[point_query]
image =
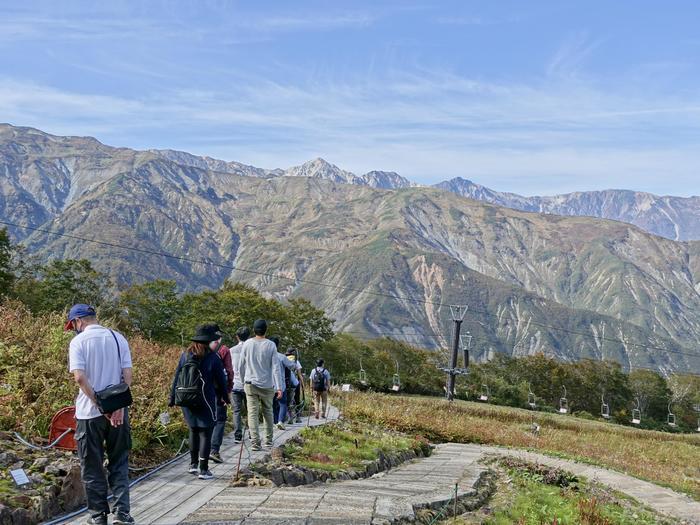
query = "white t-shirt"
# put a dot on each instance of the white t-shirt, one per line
(95, 351)
(236, 363)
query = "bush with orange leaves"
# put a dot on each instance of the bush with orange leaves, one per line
(35, 382)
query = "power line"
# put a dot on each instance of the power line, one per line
(328, 285)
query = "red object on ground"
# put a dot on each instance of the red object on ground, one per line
(63, 420)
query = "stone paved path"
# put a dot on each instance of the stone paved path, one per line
(172, 494)
(391, 496)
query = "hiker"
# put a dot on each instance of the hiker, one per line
(199, 383)
(293, 405)
(238, 394)
(221, 409)
(260, 370)
(276, 400)
(320, 380)
(279, 407)
(99, 358)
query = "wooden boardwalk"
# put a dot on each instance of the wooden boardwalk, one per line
(169, 496)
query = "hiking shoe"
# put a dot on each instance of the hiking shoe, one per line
(216, 457)
(193, 468)
(123, 519)
(99, 519)
(298, 420)
(255, 448)
(205, 474)
(268, 445)
(324, 416)
(237, 441)
(280, 426)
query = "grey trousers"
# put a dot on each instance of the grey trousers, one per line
(259, 400)
(95, 437)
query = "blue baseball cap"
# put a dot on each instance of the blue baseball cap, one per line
(76, 312)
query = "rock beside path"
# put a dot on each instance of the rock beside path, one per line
(55, 486)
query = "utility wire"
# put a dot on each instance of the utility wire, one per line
(333, 286)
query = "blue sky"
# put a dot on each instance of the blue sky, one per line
(534, 97)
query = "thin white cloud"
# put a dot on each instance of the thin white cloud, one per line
(572, 55)
(460, 20)
(427, 125)
(315, 21)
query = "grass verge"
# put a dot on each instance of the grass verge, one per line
(344, 445)
(532, 495)
(668, 459)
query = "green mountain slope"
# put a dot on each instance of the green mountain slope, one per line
(521, 273)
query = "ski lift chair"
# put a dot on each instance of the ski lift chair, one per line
(604, 408)
(671, 418)
(485, 394)
(563, 403)
(636, 414)
(531, 401)
(396, 380)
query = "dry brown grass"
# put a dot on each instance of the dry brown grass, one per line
(672, 460)
(35, 383)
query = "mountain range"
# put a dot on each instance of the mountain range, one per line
(381, 255)
(676, 218)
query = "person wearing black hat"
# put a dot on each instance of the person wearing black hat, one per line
(200, 382)
(224, 353)
(99, 358)
(260, 371)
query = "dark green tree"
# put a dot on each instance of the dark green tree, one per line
(232, 306)
(304, 327)
(7, 275)
(153, 308)
(652, 392)
(62, 283)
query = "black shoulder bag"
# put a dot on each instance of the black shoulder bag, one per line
(114, 397)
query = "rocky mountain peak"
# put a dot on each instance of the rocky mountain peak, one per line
(321, 169)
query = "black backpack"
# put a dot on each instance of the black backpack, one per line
(189, 389)
(287, 377)
(320, 380)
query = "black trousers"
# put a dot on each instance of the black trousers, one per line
(95, 437)
(200, 446)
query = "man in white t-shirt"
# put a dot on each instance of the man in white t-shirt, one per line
(99, 358)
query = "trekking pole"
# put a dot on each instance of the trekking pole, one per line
(455, 507)
(240, 454)
(308, 419)
(302, 398)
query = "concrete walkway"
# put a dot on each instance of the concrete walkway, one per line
(172, 494)
(380, 499)
(393, 496)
